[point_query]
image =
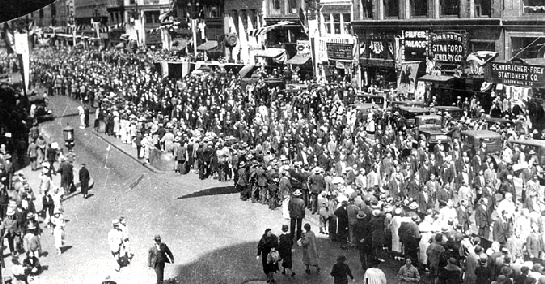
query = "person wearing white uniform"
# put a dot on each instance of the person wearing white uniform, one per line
(374, 276)
(58, 229)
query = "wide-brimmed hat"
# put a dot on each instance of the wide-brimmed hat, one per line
(361, 214)
(413, 206)
(375, 212)
(297, 192)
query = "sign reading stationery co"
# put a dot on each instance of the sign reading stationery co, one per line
(448, 47)
(339, 51)
(516, 74)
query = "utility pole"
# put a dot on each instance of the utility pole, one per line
(193, 7)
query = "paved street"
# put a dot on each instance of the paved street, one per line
(212, 234)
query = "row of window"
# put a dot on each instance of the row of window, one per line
(419, 8)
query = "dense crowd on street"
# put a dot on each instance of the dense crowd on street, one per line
(370, 180)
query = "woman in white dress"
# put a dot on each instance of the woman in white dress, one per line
(58, 230)
(394, 227)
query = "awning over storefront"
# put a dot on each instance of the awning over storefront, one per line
(435, 78)
(211, 44)
(270, 52)
(298, 60)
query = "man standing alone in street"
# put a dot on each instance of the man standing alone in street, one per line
(296, 207)
(158, 255)
(84, 180)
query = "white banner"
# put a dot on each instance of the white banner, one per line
(22, 47)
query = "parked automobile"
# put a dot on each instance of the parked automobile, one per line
(474, 140)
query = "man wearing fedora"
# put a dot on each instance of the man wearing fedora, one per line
(296, 208)
(158, 255)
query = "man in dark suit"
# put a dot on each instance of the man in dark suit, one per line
(158, 255)
(316, 184)
(483, 219)
(424, 202)
(84, 179)
(296, 209)
(502, 228)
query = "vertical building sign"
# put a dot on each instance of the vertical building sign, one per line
(415, 45)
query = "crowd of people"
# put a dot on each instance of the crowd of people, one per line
(454, 211)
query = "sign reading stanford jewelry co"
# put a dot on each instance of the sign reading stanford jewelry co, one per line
(448, 47)
(340, 51)
(516, 74)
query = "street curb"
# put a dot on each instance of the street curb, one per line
(146, 165)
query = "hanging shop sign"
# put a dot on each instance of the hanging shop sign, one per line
(337, 51)
(414, 45)
(516, 74)
(303, 47)
(448, 47)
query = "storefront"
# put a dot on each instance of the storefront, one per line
(378, 53)
(520, 82)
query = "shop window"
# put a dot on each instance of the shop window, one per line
(534, 6)
(528, 47)
(483, 8)
(419, 8)
(450, 7)
(391, 8)
(276, 4)
(381, 49)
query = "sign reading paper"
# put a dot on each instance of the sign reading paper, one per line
(339, 51)
(516, 74)
(448, 47)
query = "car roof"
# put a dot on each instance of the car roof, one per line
(428, 116)
(448, 108)
(531, 142)
(481, 133)
(414, 109)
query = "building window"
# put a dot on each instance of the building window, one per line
(276, 4)
(337, 24)
(419, 8)
(475, 46)
(483, 8)
(450, 7)
(152, 16)
(41, 13)
(53, 10)
(327, 23)
(292, 6)
(346, 23)
(367, 6)
(391, 8)
(235, 20)
(534, 6)
(528, 47)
